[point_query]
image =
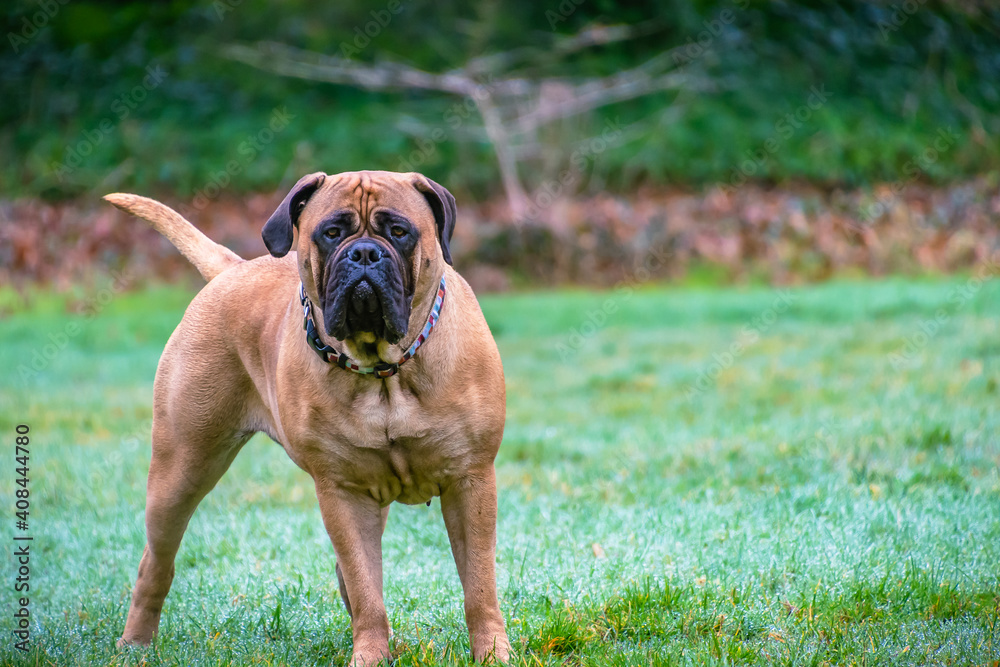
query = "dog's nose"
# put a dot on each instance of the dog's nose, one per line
(365, 253)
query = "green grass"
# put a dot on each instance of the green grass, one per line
(817, 501)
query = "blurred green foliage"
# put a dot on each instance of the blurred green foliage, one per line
(71, 77)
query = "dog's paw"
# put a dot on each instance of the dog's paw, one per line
(132, 643)
(369, 656)
(491, 649)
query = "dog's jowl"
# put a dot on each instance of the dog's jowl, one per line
(358, 348)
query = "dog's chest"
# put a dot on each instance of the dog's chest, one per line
(380, 421)
(388, 444)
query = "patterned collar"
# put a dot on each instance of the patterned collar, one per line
(381, 369)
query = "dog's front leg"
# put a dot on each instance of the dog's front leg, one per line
(354, 522)
(470, 514)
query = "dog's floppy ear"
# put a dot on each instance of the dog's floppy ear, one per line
(277, 232)
(443, 205)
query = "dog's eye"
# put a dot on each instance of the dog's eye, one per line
(332, 233)
(398, 232)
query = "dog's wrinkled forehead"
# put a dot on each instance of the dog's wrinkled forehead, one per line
(366, 192)
(316, 197)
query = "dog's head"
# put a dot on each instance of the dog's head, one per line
(367, 242)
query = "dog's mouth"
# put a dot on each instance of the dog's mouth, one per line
(364, 301)
(364, 309)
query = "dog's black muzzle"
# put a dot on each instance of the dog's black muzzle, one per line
(365, 293)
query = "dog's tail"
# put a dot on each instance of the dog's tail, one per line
(208, 257)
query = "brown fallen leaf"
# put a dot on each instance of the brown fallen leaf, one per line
(790, 608)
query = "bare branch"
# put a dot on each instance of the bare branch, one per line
(289, 61)
(510, 106)
(599, 93)
(583, 95)
(499, 136)
(595, 35)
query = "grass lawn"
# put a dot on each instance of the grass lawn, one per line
(711, 476)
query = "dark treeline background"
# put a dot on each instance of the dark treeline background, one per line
(712, 174)
(896, 73)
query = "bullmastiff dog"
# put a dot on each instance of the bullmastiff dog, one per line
(357, 347)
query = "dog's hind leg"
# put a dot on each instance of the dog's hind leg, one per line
(180, 475)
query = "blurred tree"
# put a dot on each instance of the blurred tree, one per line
(896, 73)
